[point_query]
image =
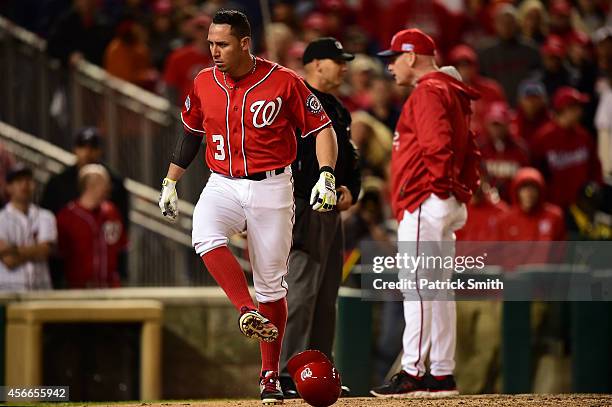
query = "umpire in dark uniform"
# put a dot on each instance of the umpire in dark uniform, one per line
(315, 261)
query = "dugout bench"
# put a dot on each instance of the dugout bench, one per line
(24, 322)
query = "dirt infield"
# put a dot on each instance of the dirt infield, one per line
(562, 400)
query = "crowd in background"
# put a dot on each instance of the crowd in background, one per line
(543, 70)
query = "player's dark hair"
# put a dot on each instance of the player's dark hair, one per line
(236, 19)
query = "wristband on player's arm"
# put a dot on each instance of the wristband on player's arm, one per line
(186, 149)
(326, 168)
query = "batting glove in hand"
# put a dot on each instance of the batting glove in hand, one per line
(168, 200)
(323, 196)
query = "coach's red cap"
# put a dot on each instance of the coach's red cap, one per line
(411, 40)
(566, 96)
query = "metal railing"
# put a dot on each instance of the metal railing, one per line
(50, 101)
(160, 253)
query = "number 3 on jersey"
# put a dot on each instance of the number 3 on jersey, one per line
(220, 144)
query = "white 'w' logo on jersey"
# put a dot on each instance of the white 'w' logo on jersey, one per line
(268, 112)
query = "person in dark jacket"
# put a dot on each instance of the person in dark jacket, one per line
(82, 32)
(315, 261)
(510, 59)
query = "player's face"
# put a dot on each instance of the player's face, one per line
(227, 50)
(333, 72)
(400, 67)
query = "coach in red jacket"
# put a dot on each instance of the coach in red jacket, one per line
(434, 169)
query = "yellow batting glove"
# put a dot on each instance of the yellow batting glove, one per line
(323, 196)
(168, 200)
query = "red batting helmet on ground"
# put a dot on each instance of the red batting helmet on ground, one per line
(315, 377)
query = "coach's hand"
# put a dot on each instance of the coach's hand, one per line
(323, 196)
(168, 200)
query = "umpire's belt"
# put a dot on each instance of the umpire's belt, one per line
(260, 176)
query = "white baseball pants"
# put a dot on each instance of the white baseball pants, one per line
(430, 324)
(265, 209)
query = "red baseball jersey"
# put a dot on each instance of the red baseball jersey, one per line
(568, 159)
(89, 243)
(250, 124)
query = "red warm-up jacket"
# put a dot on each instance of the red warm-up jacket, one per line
(543, 222)
(568, 159)
(534, 231)
(434, 150)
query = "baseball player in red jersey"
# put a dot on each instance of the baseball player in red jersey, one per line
(434, 169)
(248, 109)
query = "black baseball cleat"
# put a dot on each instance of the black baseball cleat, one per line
(402, 385)
(288, 387)
(270, 389)
(441, 386)
(254, 325)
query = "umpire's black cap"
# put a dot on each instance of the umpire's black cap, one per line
(88, 136)
(18, 171)
(326, 48)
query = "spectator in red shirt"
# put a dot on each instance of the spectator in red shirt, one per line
(184, 63)
(532, 110)
(565, 151)
(530, 219)
(465, 59)
(502, 153)
(91, 234)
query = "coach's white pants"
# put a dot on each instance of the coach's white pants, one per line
(265, 209)
(430, 324)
